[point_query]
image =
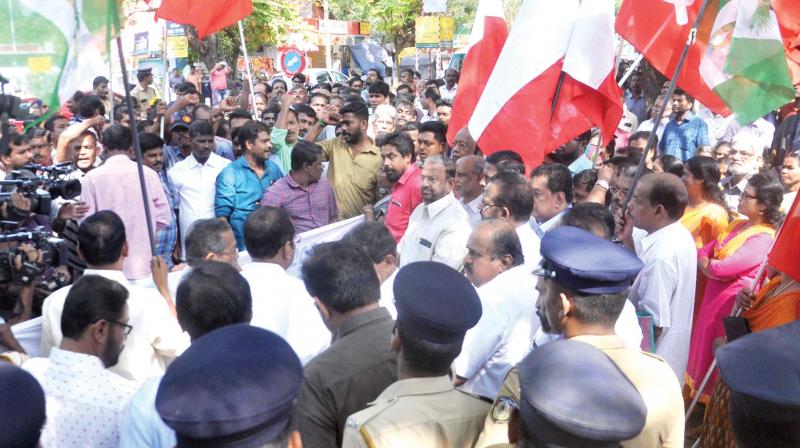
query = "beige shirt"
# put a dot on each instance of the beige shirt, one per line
(651, 376)
(354, 178)
(417, 412)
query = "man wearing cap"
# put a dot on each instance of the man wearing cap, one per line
(562, 406)
(582, 290)
(234, 387)
(495, 265)
(435, 308)
(144, 93)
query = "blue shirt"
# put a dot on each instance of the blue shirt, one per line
(167, 236)
(682, 139)
(142, 426)
(239, 191)
(637, 106)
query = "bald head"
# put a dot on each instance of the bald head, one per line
(492, 248)
(464, 144)
(658, 201)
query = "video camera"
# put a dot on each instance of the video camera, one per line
(29, 270)
(40, 184)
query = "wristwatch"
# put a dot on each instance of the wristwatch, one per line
(602, 184)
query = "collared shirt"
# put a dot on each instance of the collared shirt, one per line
(437, 232)
(473, 209)
(142, 426)
(448, 94)
(541, 227)
(354, 178)
(426, 117)
(239, 191)
(419, 412)
(195, 186)
(115, 186)
(173, 155)
(649, 124)
(636, 105)
(665, 288)
(309, 207)
(282, 305)
(85, 401)
(167, 236)
(732, 192)
(682, 139)
(156, 337)
(343, 379)
(406, 195)
(280, 148)
(531, 243)
(501, 337)
(387, 294)
(144, 98)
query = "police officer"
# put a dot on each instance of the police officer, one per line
(762, 371)
(574, 396)
(582, 289)
(144, 93)
(435, 308)
(233, 387)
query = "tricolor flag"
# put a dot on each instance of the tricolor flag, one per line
(489, 32)
(744, 62)
(206, 16)
(785, 254)
(66, 44)
(549, 38)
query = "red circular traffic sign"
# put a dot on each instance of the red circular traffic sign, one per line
(293, 61)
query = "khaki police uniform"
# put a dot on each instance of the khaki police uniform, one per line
(418, 412)
(652, 377)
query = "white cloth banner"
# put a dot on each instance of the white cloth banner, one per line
(305, 241)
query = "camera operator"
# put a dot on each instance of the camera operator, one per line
(16, 155)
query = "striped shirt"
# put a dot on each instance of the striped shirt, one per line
(309, 207)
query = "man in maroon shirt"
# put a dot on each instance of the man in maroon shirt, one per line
(398, 164)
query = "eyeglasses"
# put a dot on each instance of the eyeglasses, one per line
(125, 327)
(484, 206)
(746, 196)
(232, 253)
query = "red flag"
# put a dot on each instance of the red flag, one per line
(785, 254)
(489, 32)
(789, 21)
(207, 16)
(515, 110)
(652, 28)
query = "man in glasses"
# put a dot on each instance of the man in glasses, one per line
(85, 401)
(156, 337)
(746, 160)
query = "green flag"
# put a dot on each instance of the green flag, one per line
(56, 47)
(744, 62)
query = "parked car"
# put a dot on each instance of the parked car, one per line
(314, 76)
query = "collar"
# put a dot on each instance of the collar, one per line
(687, 117)
(439, 205)
(663, 232)
(360, 320)
(547, 225)
(69, 358)
(415, 386)
(455, 86)
(212, 161)
(117, 276)
(503, 278)
(118, 158)
(242, 161)
(265, 267)
(473, 204)
(412, 169)
(604, 342)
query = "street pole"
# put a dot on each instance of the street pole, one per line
(247, 69)
(328, 57)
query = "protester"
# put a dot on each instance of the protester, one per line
(790, 178)
(429, 98)
(377, 241)
(304, 193)
(706, 215)
(730, 263)
(422, 408)
(438, 228)
(745, 161)
(153, 157)
(406, 112)
(469, 176)
(443, 111)
(432, 140)
(665, 286)
(464, 145)
(505, 160)
(552, 194)
(357, 366)
(241, 184)
(194, 179)
(684, 133)
(635, 100)
(397, 151)
(280, 302)
(285, 133)
(495, 265)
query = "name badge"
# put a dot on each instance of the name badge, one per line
(425, 243)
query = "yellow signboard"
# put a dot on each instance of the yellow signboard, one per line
(40, 64)
(178, 46)
(365, 28)
(427, 31)
(447, 28)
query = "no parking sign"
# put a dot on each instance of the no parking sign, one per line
(293, 61)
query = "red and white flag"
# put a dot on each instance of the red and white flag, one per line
(489, 32)
(207, 16)
(514, 111)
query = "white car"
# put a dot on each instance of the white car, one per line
(314, 76)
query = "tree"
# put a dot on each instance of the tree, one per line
(268, 25)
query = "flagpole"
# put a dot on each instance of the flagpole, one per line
(630, 69)
(136, 147)
(558, 92)
(247, 69)
(667, 98)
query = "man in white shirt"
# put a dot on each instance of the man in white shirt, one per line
(439, 227)
(194, 178)
(509, 196)
(281, 303)
(469, 173)
(552, 194)
(213, 296)
(665, 286)
(448, 90)
(379, 244)
(156, 338)
(85, 401)
(745, 161)
(494, 264)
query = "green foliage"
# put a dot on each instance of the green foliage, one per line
(392, 20)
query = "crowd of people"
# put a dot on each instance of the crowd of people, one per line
(477, 302)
